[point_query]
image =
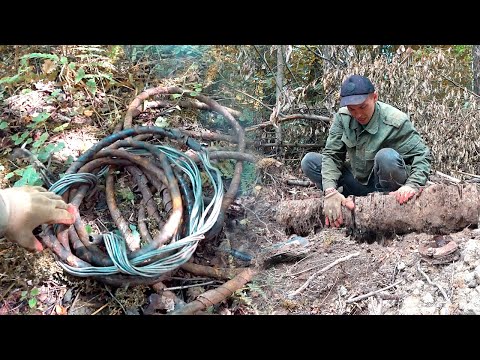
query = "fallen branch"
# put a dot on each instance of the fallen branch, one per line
(361, 297)
(448, 177)
(289, 118)
(183, 104)
(215, 296)
(310, 279)
(305, 183)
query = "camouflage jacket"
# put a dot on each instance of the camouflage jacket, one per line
(388, 128)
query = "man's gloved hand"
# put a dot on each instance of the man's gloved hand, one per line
(404, 194)
(24, 208)
(332, 207)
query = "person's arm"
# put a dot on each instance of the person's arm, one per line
(24, 208)
(333, 155)
(416, 154)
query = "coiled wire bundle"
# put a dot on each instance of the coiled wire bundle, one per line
(169, 172)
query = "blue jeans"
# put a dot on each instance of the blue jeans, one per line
(389, 173)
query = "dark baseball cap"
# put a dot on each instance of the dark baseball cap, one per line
(355, 90)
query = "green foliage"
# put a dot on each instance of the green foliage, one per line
(126, 194)
(31, 297)
(249, 174)
(25, 68)
(88, 229)
(86, 69)
(169, 60)
(135, 233)
(142, 52)
(28, 176)
(248, 178)
(197, 89)
(463, 52)
(247, 117)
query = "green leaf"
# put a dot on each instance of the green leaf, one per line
(24, 294)
(45, 152)
(40, 140)
(162, 122)
(32, 303)
(3, 125)
(88, 229)
(176, 96)
(80, 75)
(55, 92)
(92, 86)
(20, 139)
(61, 127)
(34, 292)
(29, 177)
(41, 117)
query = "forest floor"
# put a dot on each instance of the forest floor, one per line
(330, 274)
(334, 275)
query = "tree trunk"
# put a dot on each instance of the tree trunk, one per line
(476, 68)
(279, 97)
(438, 209)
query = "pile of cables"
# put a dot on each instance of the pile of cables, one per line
(120, 256)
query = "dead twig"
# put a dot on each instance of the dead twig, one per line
(460, 86)
(310, 279)
(74, 302)
(101, 308)
(118, 302)
(6, 291)
(290, 117)
(361, 297)
(258, 218)
(190, 286)
(465, 173)
(419, 268)
(448, 177)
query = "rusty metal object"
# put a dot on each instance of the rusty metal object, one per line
(438, 249)
(73, 245)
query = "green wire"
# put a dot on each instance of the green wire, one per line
(180, 251)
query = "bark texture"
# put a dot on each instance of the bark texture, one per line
(437, 209)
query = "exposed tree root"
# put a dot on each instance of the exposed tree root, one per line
(437, 209)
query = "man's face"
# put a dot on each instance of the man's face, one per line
(363, 112)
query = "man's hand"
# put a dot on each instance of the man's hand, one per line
(404, 194)
(24, 208)
(332, 207)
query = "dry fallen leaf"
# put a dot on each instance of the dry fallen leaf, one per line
(88, 113)
(60, 310)
(48, 66)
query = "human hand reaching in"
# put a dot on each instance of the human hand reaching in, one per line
(404, 193)
(24, 208)
(332, 207)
